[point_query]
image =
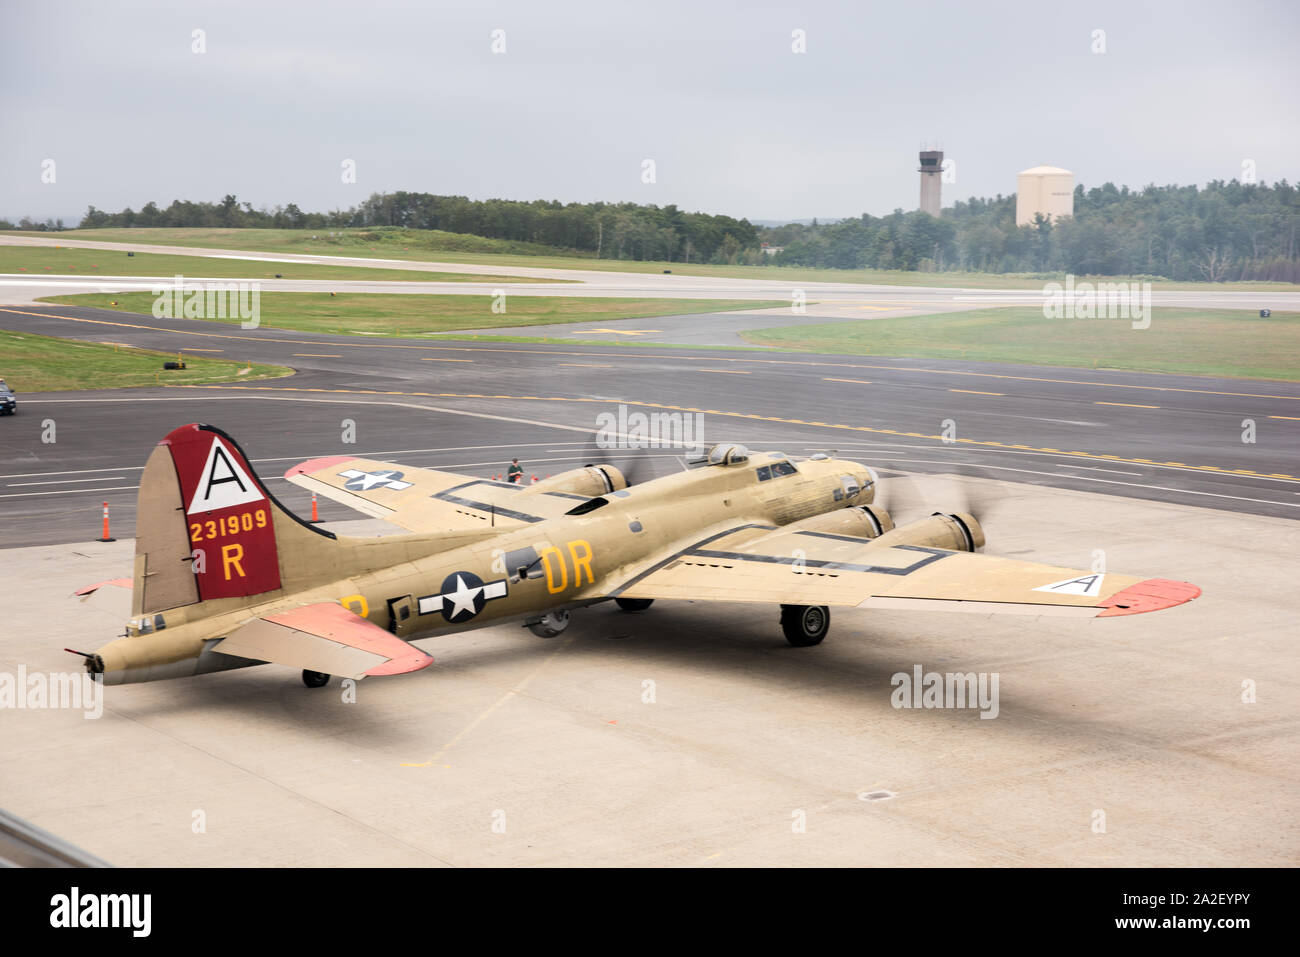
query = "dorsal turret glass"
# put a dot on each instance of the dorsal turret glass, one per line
(728, 453)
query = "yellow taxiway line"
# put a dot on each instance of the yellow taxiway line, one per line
(748, 415)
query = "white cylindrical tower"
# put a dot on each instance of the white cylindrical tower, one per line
(1044, 189)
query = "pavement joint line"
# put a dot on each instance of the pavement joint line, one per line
(973, 392)
(515, 691)
(1128, 405)
(655, 355)
(741, 415)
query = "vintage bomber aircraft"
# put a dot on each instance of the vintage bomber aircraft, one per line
(226, 577)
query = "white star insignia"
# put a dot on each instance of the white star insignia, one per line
(462, 599)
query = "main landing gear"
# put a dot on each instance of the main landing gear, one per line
(550, 624)
(315, 679)
(805, 625)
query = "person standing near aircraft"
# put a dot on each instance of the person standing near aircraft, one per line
(516, 471)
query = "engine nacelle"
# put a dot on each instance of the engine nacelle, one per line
(858, 521)
(590, 481)
(957, 532)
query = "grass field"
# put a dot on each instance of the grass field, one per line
(41, 364)
(66, 261)
(409, 315)
(438, 246)
(1225, 342)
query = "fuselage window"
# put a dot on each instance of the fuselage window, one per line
(782, 468)
(765, 473)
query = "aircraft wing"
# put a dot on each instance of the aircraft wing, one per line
(425, 500)
(761, 564)
(324, 637)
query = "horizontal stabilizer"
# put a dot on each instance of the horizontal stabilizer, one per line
(324, 637)
(88, 590)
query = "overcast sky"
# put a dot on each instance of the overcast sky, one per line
(734, 120)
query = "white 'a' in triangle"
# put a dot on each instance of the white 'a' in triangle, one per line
(223, 482)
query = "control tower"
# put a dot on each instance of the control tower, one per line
(931, 171)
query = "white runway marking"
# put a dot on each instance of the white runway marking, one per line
(106, 478)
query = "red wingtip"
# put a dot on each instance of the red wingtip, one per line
(407, 663)
(1150, 595)
(315, 465)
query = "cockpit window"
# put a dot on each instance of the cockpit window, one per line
(775, 470)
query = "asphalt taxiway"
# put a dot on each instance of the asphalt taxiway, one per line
(474, 406)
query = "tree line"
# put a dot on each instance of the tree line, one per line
(1224, 231)
(603, 230)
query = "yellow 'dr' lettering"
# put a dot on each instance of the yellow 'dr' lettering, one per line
(362, 609)
(231, 555)
(581, 562)
(550, 567)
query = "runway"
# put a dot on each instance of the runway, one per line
(829, 300)
(474, 406)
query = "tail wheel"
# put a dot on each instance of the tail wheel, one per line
(315, 679)
(634, 604)
(805, 625)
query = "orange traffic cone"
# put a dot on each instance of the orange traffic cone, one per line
(106, 537)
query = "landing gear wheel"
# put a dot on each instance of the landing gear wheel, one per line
(315, 679)
(550, 624)
(805, 625)
(634, 604)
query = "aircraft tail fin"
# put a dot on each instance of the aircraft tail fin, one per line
(207, 528)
